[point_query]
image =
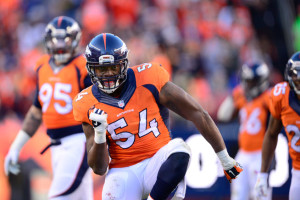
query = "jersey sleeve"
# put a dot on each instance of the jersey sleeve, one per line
(41, 61)
(152, 73)
(276, 97)
(163, 76)
(238, 97)
(45, 58)
(267, 99)
(36, 101)
(80, 110)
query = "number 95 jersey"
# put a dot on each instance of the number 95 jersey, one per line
(137, 122)
(285, 107)
(55, 92)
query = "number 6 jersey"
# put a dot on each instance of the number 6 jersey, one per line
(137, 122)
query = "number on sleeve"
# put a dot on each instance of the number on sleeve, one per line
(144, 66)
(279, 89)
(80, 95)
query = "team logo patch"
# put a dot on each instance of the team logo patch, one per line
(121, 104)
(88, 51)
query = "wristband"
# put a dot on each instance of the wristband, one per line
(20, 140)
(262, 176)
(226, 160)
(100, 138)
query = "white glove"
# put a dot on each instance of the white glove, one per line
(99, 120)
(11, 162)
(231, 168)
(12, 157)
(261, 185)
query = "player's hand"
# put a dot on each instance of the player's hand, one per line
(99, 121)
(11, 162)
(231, 168)
(261, 185)
(233, 172)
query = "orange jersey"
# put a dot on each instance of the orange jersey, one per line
(55, 92)
(137, 122)
(239, 98)
(253, 117)
(285, 106)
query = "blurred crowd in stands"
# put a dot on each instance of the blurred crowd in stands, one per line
(202, 43)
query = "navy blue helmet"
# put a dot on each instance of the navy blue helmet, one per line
(292, 72)
(107, 50)
(255, 79)
(62, 36)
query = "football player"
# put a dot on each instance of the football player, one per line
(61, 75)
(125, 119)
(249, 101)
(285, 111)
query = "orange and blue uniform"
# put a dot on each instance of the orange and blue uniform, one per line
(138, 124)
(253, 117)
(56, 88)
(285, 107)
(55, 92)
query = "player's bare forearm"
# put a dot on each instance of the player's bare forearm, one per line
(268, 150)
(209, 130)
(98, 158)
(177, 100)
(32, 120)
(270, 142)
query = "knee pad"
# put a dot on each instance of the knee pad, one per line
(174, 168)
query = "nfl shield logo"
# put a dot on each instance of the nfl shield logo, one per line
(121, 104)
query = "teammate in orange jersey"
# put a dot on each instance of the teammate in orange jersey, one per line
(250, 101)
(61, 74)
(285, 112)
(125, 119)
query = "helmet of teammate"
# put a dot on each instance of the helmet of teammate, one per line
(107, 51)
(255, 79)
(62, 36)
(292, 72)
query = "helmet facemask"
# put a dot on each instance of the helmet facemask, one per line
(255, 80)
(107, 62)
(106, 81)
(254, 87)
(293, 75)
(61, 41)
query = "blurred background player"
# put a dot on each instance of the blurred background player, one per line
(61, 74)
(285, 111)
(127, 108)
(249, 101)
